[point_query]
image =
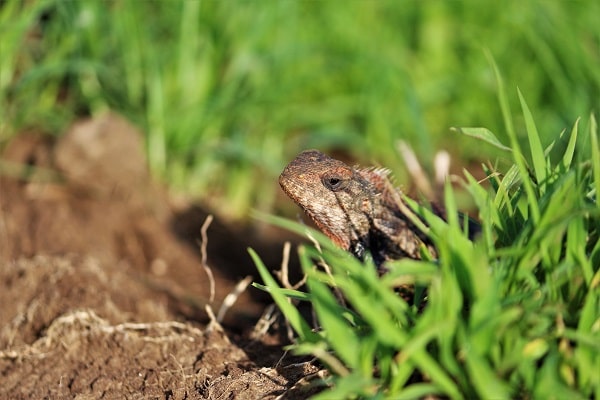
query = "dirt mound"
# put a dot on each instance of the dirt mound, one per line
(101, 282)
(74, 331)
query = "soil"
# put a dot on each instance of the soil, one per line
(103, 288)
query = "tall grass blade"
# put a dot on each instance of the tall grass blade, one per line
(341, 337)
(514, 144)
(570, 150)
(535, 145)
(595, 156)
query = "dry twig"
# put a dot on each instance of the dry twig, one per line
(232, 297)
(203, 253)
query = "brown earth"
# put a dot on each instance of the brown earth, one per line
(102, 288)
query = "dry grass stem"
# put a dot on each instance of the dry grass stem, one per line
(283, 274)
(262, 326)
(232, 297)
(203, 253)
(213, 325)
(441, 165)
(414, 168)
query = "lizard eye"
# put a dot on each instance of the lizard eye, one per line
(333, 182)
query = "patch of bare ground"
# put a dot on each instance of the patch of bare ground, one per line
(102, 284)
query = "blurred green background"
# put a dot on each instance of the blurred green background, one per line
(228, 92)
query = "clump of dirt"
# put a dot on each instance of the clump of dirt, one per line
(101, 282)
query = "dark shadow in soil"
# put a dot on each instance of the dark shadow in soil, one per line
(228, 246)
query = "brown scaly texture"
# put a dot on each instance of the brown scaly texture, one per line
(359, 209)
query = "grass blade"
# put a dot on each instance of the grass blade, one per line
(291, 313)
(595, 155)
(570, 150)
(482, 134)
(514, 144)
(535, 145)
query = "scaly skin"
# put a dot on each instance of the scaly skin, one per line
(358, 209)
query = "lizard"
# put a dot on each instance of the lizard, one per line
(359, 209)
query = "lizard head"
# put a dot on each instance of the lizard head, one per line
(334, 195)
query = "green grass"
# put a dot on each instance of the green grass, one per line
(228, 91)
(515, 314)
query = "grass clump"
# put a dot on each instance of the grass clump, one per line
(514, 314)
